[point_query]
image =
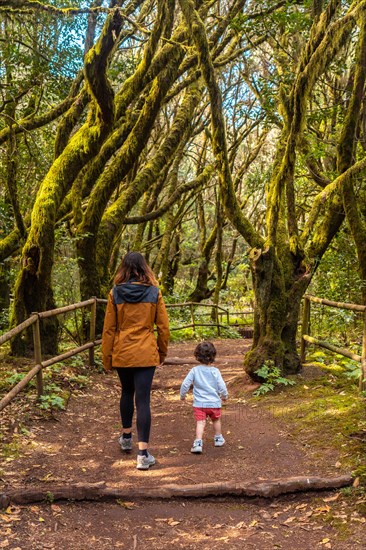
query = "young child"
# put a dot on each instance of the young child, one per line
(208, 388)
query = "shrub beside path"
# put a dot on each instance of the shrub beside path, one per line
(80, 446)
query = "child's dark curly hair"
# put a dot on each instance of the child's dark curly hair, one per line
(205, 353)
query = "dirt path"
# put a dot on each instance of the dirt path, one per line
(80, 445)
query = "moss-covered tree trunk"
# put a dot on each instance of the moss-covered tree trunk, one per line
(33, 291)
(283, 262)
(173, 264)
(277, 303)
(229, 264)
(218, 257)
(108, 225)
(353, 205)
(207, 245)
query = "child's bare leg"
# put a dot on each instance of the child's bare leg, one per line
(217, 426)
(200, 428)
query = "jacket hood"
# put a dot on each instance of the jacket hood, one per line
(134, 293)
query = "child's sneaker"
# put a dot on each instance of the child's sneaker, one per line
(126, 443)
(219, 440)
(144, 462)
(197, 446)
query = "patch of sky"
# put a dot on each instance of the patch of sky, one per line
(71, 31)
(239, 98)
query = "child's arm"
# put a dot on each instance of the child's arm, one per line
(221, 387)
(186, 384)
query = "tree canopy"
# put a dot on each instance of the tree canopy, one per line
(206, 134)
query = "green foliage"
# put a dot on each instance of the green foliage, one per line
(50, 497)
(352, 369)
(79, 380)
(182, 317)
(203, 333)
(337, 279)
(76, 361)
(14, 379)
(346, 491)
(51, 401)
(360, 472)
(65, 274)
(272, 378)
(336, 364)
(318, 356)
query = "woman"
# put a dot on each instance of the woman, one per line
(135, 305)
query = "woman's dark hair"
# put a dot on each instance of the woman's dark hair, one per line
(205, 353)
(134, 266)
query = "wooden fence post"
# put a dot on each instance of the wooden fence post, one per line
(362, 383)
(92, 327)
(38, 353)
(304, 328)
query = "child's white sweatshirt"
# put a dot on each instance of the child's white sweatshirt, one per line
(208, 386)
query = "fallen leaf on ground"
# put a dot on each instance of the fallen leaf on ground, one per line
(9, 518)
(55, 508)
(172, 522)
(331, 499)
(48, 477)
(326, 543)
(253, 523)
(323, 509)
(127, 505)
(289, 520)
(240, 525)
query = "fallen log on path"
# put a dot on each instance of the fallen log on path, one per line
(102, 491)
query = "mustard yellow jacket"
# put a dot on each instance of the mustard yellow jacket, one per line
(128, 339)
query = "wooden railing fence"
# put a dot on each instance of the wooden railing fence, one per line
(34, 322)
(220, 312)
(307, 339)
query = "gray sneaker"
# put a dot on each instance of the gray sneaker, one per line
(126, 443)
(144, 462)
(219, 440)
(197, 446)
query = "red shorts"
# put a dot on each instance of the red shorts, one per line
(201, 413)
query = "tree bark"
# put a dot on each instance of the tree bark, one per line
(100, 491)
(113, 217)
(201, 290)
(280, 269)
(33, 291)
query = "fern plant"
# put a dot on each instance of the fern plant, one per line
(272, 377)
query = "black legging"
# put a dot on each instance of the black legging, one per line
(136, 382)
